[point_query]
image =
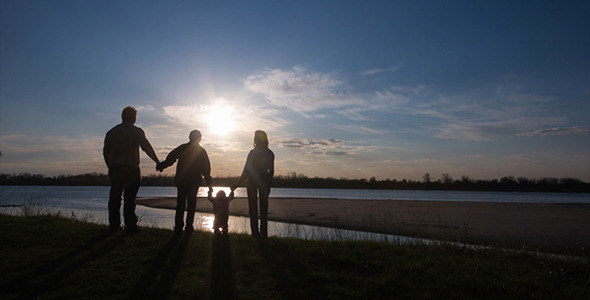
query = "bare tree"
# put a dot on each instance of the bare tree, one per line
(446, 178)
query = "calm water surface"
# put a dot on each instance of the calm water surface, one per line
(90, 204)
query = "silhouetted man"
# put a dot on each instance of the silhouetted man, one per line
(193, 165)
(121, 154)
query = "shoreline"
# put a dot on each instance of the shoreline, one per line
(537, 225)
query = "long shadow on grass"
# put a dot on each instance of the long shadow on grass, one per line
(222, 274)
(293, 280)
(48, 276)
(170, 273)
(150, 277)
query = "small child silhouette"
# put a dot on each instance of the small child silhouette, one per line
(220, 210)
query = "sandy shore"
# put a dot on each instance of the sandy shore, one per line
(555, 226)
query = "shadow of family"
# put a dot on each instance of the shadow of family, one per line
(158, 279)
(198, 264)
(47, 277)
(163, 271)
(193, 168)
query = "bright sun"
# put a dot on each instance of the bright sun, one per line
(220, 119)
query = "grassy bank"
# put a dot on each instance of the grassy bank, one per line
(50, 257)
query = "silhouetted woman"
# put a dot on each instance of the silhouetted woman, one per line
(259, 171)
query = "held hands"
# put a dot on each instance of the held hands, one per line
(160, 167)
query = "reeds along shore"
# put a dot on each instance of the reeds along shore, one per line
(550, 227)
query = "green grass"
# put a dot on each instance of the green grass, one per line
(48, 257)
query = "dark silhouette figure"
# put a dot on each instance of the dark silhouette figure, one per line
(121, 155)
(193, 165)
(259, 172)
(220, 210)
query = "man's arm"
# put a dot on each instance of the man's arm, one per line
(147, 147)
(151, 153)
(170, 159)
(106, 150)
(206, 170)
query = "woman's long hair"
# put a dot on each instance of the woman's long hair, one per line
(260, 139)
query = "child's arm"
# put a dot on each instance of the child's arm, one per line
(210, 195)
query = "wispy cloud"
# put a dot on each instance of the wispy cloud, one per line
(145, 107)
(374, 71)
(574, 130)
(476, 118)
(57, 154)
(27, 144)
(299, 90)
(360, 129)
(330, 147)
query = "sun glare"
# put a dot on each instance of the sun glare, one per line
(220, 119)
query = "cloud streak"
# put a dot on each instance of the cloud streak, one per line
(475, 118)
(299, 90)
(328, 147)
(573, 130)
(374, 71)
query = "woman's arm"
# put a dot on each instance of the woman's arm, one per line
(245, 172)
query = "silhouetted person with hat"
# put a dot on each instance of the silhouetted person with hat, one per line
(121, 155)
(193, 165)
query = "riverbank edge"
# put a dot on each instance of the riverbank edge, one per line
(547, 227)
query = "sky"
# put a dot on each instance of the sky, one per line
(344, 89)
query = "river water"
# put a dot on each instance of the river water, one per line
(90, 204)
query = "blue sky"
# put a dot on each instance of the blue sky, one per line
(355, 89)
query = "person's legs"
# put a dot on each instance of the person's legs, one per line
(217, 223)
(180, 207)
(253, 208)
(191, 206)
(264, 192)
(132, 183)
(224, 221)
(115, 193)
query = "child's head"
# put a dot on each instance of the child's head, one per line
(220, 194)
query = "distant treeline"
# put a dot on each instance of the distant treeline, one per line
(294, 180)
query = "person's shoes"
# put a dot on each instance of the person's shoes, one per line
(132, 230)
(114, 228)
(189, 230)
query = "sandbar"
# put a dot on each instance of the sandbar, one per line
(557, 226)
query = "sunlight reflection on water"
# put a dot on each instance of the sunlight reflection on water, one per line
(164, 218)
(205, 223)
